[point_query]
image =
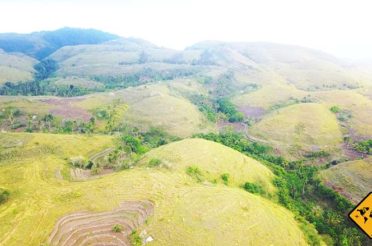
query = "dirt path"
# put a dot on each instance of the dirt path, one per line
(89, 228)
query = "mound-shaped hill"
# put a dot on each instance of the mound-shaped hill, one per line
(184, 210)
(299, 129)
(117, 58)
(213, 160)
(358, 106)
(352, 179)
(154, 105)
(15, 67)
(42, 44)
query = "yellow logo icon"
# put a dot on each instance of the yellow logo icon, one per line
(362, 215)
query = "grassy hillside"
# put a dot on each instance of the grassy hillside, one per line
(213, 160)
(154, 105)
(352, 179)
(15, 67)
(299, 129)
(185, 212)
(358, 106)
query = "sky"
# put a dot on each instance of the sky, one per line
(340, 27)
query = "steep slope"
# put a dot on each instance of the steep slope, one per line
(352, 179)
(15, 67)
(185, 211)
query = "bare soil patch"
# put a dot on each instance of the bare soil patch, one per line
(252, 112)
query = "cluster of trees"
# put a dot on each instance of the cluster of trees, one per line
(39, 86)
(14, 118)
(229, 109)
(301, 191)
(133, 143)
(213, 109)
(205, 105)
(144, 76)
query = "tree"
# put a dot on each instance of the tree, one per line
(45, 68)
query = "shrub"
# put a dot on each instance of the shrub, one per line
(135, 239)
(253, 188)
(225, 178)
(4, 195)
(117, 228)
(364, 146)
(335, 109)
(195, 173)
(154, 162)
(78, 161)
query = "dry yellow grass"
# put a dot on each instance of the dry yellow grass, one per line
(352, 179)
(300, 128)
(269, 95)
(154, 105)
(186, 212)
(213, 160)
(15, 67)
(359, 105)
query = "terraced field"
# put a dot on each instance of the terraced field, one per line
(87, 228)
(185, 210)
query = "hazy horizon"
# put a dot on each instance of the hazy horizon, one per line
(337, 27)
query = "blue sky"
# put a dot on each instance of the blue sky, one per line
(340, 27)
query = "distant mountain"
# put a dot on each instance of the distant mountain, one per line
(41, 44)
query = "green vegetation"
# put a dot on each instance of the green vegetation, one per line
(154, 162)
(253, 188)
(45, 69)
(364, 146)
(225, 178)
(335, 109)
(117, 228)
(229, 109)
(195, 172)
(206, 106)
(317, 154)
(4, 195)
(135, 239)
